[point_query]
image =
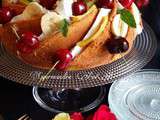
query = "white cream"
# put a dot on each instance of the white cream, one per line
(33, 9)
(64, 8)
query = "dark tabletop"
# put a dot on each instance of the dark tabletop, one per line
(16, 99)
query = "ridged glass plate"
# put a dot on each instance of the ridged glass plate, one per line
(137, 96)
(142, 52)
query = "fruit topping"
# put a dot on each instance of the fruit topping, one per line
(33, 9)
(126, 3)
(49, 22)
(119, 28)
(137, 16)
(5, 15)
(141, 3)
(119, 45)
(95, 34)
(105, 4)
(80, 17)
(28, 42)
(48, 4)
(79, 8)
(64, 56)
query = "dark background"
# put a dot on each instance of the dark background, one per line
(16, 99)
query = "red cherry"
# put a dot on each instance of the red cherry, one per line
(64, 56)
(28, 42)
(79, 8)
(119, 45)
(126, 3)
(105, 4)
(5, 15)
(48, 4)
(23, 48)
(30, 39)
(142, 3)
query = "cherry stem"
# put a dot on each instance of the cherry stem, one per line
(45, 77)
(15, 31)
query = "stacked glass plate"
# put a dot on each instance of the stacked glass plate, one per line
(136, 97)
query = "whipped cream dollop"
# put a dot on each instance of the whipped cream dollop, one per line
(64, 8)
(33, 9)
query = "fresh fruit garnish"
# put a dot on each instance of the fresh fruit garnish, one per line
(28, 42)
(30, 39)
(127, 17)
(34, 9)
(79, 8)
(62, 116)
(142, 3)
(119, 45)
(50, 22)
(120, 31)
(5, 15)
(48, 4)
(105, 4)
(23, 48)
(137, 16)
(64, 56)
(79, 17)
(126, 3)
(85, 42)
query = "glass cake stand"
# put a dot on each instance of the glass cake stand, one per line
(67, 91)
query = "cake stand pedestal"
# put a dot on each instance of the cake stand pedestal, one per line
(67, 100)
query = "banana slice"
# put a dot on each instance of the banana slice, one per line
(137, 15)
(49, 22)
(33, 9)
(119, 28)
(62, 116)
